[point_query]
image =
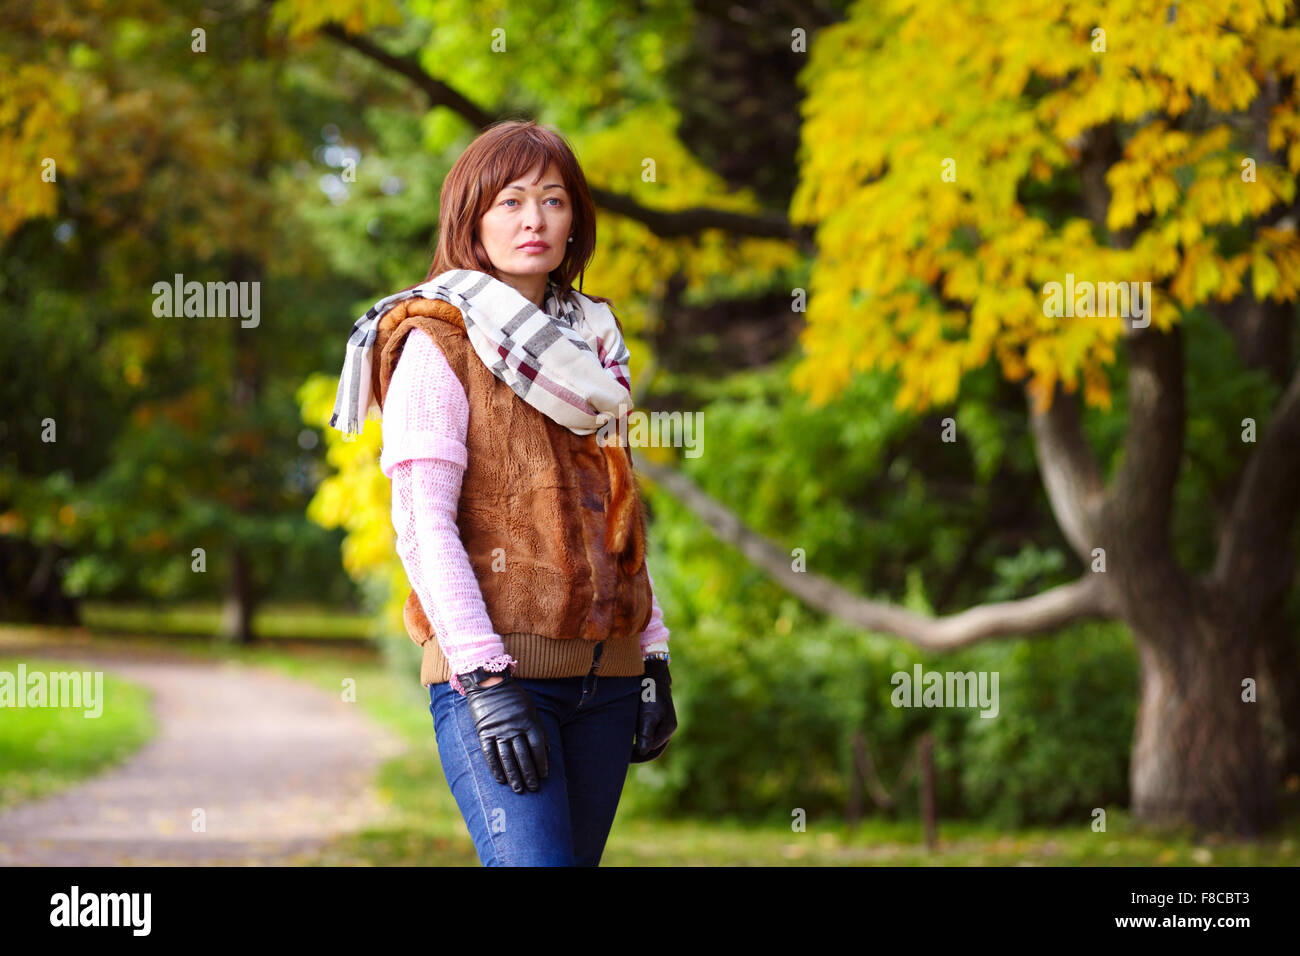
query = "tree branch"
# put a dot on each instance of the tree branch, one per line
(435, 91)
(1134, 515)
(1261, 331)
(1254, 549)
(1139, 505)
(685, 222)
(664, 223)
(1069, 469)
(1084, 598)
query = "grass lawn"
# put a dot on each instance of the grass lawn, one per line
(44, 749)
(272, 620)
(424, 826)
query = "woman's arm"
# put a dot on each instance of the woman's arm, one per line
(425, 492)
(426, 417)
(655, 636)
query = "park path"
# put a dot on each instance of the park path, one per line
(279, 767)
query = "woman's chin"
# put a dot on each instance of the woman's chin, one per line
(534, 266)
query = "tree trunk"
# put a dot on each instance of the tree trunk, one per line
(242, 489)
(1280, 693)
(31, 585)
(1198, 750)
(237, 616)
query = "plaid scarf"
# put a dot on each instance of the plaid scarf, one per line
(568, 361)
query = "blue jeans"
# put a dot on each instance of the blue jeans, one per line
(590, 723)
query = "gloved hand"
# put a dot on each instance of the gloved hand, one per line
(655, 719)
(510, 732)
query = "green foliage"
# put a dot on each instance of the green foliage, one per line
(769, 697)
(770, 694)
(871, 494)
(1220, 393)
(172, 433)
(1060, 743)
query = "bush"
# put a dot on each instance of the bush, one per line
(769, 696)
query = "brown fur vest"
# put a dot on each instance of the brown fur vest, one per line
(551, 521)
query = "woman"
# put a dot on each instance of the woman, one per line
(518, 518)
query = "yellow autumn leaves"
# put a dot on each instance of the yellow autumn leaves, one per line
(943, 158)
(35, 140)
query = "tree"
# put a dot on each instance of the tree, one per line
(161, 125)
(959, 159)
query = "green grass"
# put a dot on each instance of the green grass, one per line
(424, 827)
(45, 749)
(282, 620)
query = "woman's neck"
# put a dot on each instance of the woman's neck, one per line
(532, 288)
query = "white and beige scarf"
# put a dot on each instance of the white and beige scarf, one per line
(569, 361)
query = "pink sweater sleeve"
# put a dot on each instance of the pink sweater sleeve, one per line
(425, 419)
(655, 636)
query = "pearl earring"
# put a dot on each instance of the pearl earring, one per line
(570, 238)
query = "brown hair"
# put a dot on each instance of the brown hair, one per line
(501, 153)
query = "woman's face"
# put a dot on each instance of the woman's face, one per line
(526, 229)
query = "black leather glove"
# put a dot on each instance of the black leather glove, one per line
(510, 732)
(655, 719)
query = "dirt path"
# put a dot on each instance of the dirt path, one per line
(278, 767)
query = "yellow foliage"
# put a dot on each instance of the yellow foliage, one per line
(632, 264)
(1275, 264)
(1284, 130)
(926, 119)
(357, 498)
(36, 103)
(301, 17)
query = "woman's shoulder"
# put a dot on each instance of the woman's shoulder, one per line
(425, 392)
(415, 300)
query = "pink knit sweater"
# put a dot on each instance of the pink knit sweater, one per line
(426, 416)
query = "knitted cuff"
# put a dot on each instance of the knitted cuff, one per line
(498, 663)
